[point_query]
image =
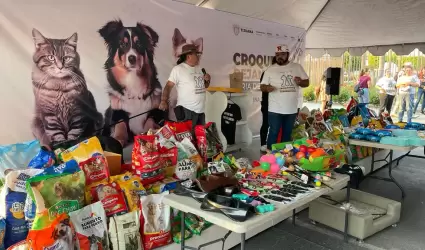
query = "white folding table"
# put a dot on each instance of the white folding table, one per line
(189, 205)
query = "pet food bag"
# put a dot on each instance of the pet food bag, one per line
(22, 245)
(133, 189)
(12, 206)
(166, 133)
(83, 150)
(146, 159)
(17, 156)
(91, 227)
(43, 159)
(2, 233)
(156, 221)
(181, 129)
(59, 235)
(95, 169)
(56, 191)
(192, 153)
(112, 198)
(124, 232)
(208, 140)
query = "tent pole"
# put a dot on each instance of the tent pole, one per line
(318, 14)
(202, 3)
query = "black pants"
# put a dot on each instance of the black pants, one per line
(389, 99)
(183, 114)
(264, 126)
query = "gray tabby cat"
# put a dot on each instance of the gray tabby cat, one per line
(64, 108)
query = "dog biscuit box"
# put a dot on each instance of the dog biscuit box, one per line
(91, 227)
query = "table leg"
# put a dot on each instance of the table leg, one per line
(347, 210)
(243, 241)
(182, 231)
(390, 166)
(372, 165)
(293, 217)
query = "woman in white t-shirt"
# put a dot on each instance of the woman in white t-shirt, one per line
(387, 91)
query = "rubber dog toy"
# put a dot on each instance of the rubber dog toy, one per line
(265, 208)
(240, 197)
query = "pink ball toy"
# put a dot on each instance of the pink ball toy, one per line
(274, 168)
(264, 158)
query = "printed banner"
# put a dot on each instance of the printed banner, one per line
(70, 69)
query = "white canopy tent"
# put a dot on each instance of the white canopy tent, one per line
(335, 26)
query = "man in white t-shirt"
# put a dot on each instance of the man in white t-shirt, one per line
(191, 84)
(283, 81)
(407, 85)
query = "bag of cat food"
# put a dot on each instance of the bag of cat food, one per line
(208, 140)
(58, 235)
(12, 204)
(133, 189)
(156, 221)
(112, 198)
(55, 193)
(22, 245)
(124, 231)
(96, 169)
(83, 150)
(43, 159)
(146, 159)
(91, 227)
(181, 129)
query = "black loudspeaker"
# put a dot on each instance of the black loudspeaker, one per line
(333, 79)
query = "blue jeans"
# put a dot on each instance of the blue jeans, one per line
(421, 92)
(280, 121)
(364, 96)
(409, 101)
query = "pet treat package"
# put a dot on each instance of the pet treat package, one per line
(132, 188)
(124, 231)
(55, 194)
(156, 221)
(91, 227)
(181, 129)
(83, 150)
(146, 159)
(13, 197)
(208, 140)
(58, 235)
(112, 198)
(43, 159)
(95, 169)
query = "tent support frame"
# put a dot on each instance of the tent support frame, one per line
(318, 14)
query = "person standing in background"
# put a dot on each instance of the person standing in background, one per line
(364, 83)
(321, 93)
(406, 85)
(282, 81)
(387, 90)
(421, 92)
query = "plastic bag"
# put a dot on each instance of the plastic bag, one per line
(208, 140)
(17, 156)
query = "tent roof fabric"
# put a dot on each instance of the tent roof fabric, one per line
(353, 25)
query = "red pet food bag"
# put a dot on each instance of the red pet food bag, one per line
(181, 129)
(95, 169)
(208, 140)
(146, 159)
(112, 198)
(155, 220)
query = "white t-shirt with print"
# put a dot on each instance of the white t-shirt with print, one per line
(190, 85)
(387, 84)
(407, 79)
(285, 98)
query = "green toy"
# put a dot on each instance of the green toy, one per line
(265, 166)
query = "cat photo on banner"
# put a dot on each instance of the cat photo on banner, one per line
(134, 88)
(65, 109)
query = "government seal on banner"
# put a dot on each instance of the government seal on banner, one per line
(236, 29)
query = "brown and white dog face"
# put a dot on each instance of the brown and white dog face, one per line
(179, 41)
(62, 231)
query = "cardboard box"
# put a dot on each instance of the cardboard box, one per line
(114, 162)
(236, 80)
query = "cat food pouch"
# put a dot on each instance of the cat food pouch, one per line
(12, 205)
(58, 235)
(91, 227)
(146, 159)
(133, 189)
(83, 150)
(124, 231)
(156, 221)
(55, 194)
(112, 198)
(95, 169)
(43, 159)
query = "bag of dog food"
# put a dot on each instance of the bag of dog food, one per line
(146, 159)
(208, 140)
(186, 169)
(96, 169)
(181, 129)
(124, 231)
(91, 227)
(55, 194)
(166, 133)
(68, 167)
(58, 235)
(2, 232)
(156, 221)
(133, 189)
(112, 198)
(12, 208)
(83, 150)
(43, 159)
(192, 153)
(176, 229)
